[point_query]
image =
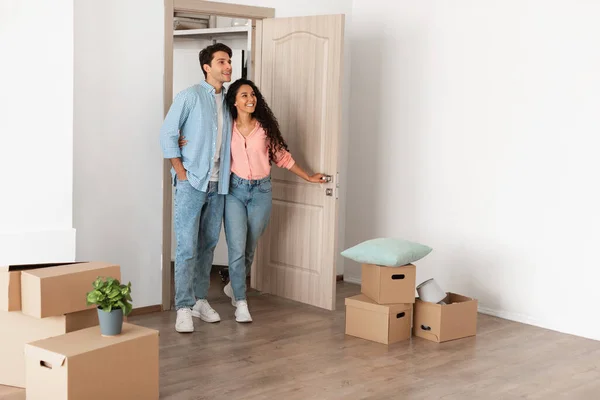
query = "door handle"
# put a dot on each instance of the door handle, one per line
(327, 178)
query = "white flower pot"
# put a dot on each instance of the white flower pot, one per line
(430, 291)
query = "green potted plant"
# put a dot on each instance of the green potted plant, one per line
(113, 300)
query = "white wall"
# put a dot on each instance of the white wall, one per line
(36, 132)
(118, 163)
(474, 130)
(118, 113)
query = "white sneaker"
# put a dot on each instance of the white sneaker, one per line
(205, 312)
(228, 290)
(242, 314)
(184, 323)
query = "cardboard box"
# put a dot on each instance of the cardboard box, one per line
(86, 365)
(11, 393)
(443, 322)
(49, 292)
(389, 285)
(10, 289)
(10, 284)
(383, 323)
(16, 329)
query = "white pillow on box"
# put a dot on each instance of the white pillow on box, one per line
(389, 252)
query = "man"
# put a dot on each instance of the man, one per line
(201, 172)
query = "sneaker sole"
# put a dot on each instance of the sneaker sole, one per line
(203, 318)
(184, 330)
(243, 321)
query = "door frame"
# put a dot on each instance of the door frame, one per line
(196, 7)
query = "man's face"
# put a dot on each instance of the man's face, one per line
(220, 68)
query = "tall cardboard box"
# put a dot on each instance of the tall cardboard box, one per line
(456, 319)
(10, 284)
(87, 365)
(60, 290)
(16, 329)
(389, 285)
(383, 323)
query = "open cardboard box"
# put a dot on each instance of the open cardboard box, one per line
(383, 323)
(10, 283)
(456, 319)
(63, 289)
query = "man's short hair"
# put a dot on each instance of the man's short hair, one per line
(207, 54)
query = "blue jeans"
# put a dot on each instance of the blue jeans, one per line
(247, 214)
(198, 219)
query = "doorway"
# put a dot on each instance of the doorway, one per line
(297, 63)
(192, 33)
(191, 25)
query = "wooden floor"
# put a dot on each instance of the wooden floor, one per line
(292, 351)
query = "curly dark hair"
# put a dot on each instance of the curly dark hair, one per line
(263, 115)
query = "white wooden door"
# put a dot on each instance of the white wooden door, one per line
(299, 71)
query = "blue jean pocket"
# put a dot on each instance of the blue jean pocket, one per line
(265, 187)
(181, 184)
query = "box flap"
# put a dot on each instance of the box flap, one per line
(429, 304)
(365, 303)
(456, 298)
(459, 318)
(68, 269)
(48, 359)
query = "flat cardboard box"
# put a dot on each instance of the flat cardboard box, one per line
(443, 322)
(16, 329)
(11, 393)
(61, 290)
(383, 323)
(10, 284)
(87, 365)
(389, 285)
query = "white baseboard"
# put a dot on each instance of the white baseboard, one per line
(565, 328)
(516, 317)
(352, 279)
(37, 247)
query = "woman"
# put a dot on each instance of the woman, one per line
(256, 143)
